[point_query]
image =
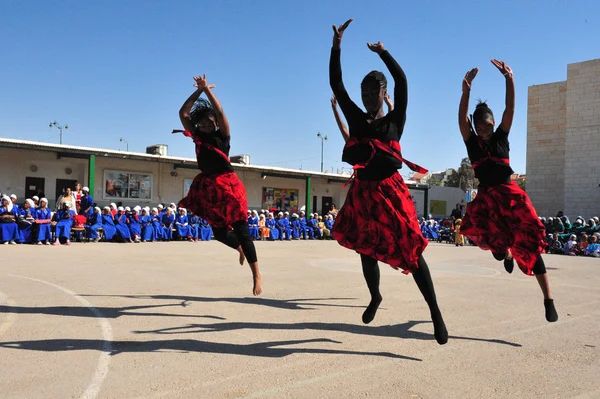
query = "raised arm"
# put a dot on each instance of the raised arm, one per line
(464, 122)
(221, 118)
(186, 108)
(509, 111)
(338, 119)
(335, 75)
(400, 82)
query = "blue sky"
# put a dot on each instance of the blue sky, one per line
(113, 69)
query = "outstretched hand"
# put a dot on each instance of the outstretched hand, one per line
(333, 101)
(338, 32)
(201, 83)
(466, 85)
(502, 67)
(376, 48)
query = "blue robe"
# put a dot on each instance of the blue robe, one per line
(147, 228)
(253, 227)
(86, 202)
(329, 225)
(205, 230)
(182, 226)
(8, 231)
(312, 223)
(272, 225)
(26, 225)
(168, 222)
(108, 226)
(44, 231)
(295, 226)
(157, 226)
(94, 223)
(64, 222)
(306, 230)
(194, 227)
(134, 226)
(121, 225)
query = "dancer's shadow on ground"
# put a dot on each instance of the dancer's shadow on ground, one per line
(290, 304)
(107, 312)
(392, 331)
(273, 349)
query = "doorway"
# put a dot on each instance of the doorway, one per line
(62, 185)
(326, 205)
(35, 186)
(313, 207)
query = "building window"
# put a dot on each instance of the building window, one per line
(127, 185)
(187, 183)
(280, 199)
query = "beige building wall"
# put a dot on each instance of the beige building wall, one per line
(546, 121)
(563, 143)
(582, 149)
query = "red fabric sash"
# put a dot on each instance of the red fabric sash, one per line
(489, 156)
(206, 145)
(391, 147)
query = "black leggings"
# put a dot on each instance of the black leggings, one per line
(538, 269)
(421, 275)
(236, 237)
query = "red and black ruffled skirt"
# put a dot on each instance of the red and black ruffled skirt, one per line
(379, 220)
(219, 199)
(502, 217)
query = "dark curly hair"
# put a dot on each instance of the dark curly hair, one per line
(375, 77)
(201, 110)
(482, 112)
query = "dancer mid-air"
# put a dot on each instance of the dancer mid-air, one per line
(217, 194)
(378, 219)
(501, 218)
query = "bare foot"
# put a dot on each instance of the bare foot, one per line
(242, 256)
(257, 289)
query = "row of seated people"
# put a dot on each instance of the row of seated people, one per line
(30, 225)
(265, 226)
(574, 245)
(563, 226)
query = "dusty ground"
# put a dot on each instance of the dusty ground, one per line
(176, 321)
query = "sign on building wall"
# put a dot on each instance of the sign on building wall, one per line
(437, 207)
(280, 199)
(127, 185)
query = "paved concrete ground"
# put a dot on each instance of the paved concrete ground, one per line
(176, 321)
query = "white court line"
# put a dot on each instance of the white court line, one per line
(95, 385)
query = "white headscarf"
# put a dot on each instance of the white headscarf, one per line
(30, 202)
(43, 200)
(113, 205)
(10, 204)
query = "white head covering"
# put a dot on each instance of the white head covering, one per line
(121, 209)
(137, 208)
(262, 216)
(30, 202)
(35, 198)
(113, 205)
(107, 208)
(173, 205)
(254, 213)
(10, 205)
(97, 209)
(280, 214)
(160, 206)
(155, 210)
(294, 215)
(12, 196)
(86, 189)
(249, 211)
(169, 210)
(44, 200)
(286, 212)
(182, 209)
(146, 208)
(128, 209)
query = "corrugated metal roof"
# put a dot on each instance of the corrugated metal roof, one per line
(63, 148)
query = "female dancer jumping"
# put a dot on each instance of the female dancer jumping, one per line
(501, 218)
(217, 194)
(378, 219)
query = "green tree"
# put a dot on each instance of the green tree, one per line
(521, 183)
(453, 179)
(433, 181)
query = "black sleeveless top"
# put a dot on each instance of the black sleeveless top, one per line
(490, 159)
(210, 162)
